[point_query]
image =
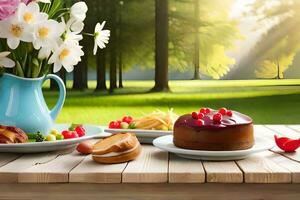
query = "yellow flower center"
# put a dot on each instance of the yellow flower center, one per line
(16, 30)
(43, 32)
(64, 53)
(27, 17)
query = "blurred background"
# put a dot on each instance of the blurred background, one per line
(185, 54)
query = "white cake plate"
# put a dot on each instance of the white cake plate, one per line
(166, 143)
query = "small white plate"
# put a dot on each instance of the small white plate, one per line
(144, 136)
(166, 143)
(92, 132)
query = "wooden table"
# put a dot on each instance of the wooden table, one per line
(163, 175)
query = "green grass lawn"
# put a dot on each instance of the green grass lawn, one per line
(266, 101)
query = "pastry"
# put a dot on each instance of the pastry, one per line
(118, 148)
(221, 130)
(10, 135)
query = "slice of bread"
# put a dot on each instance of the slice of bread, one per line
(120, 158)
(116, 143)
(118, 148)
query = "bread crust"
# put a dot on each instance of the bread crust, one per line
(123, 148)
(116, 143)
(120, 158)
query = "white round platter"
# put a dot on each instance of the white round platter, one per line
(166, 143)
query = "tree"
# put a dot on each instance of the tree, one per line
(161, 46)
(80, 73)
(113, 47)
(197, 42)
(202, 35)
(120, 42)
(275, 51)
(102, 54)
(101, 70)
(276, 61)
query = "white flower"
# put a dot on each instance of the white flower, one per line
(6, 62)
(15, 31)
(79, 10)
(43, 1)
(45, 52)
(47, 33)
(101, 37)
(77, 26)
(70, 36)
(30, 14)
(66, 55)
(73, 37)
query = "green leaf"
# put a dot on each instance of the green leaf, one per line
(19, 69)
(55, 6)
(36, 68)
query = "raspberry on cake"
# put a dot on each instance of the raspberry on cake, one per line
(219, 130)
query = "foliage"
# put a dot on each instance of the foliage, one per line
(217, 34)
(274, 53)
(276, 61)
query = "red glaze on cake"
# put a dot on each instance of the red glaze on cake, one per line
(222, 130)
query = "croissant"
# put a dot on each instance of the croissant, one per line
(10, 135)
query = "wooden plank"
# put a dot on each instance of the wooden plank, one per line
(5, 158)
(212, 191)
(89, 171)
(292, 166)
(9, 172)
(287, 132)
(261, 130)
(185, 171)
(223, 172)
(259, 169)
(275, 155)
(283, 130)
(55, 171)
(294, 127)
(150, 167)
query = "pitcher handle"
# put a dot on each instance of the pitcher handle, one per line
(62, 95)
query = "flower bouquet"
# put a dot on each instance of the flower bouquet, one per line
(38, 37)
(39, 34)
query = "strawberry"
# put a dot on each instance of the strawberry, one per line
(80, 131)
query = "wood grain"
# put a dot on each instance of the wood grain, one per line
(54, 171)
(89, 171)
(259, 169)
(261, 130)
(9, 172)
(150, 167)
(294, 127)
(5, 158)
(208, 191)
(223, 172)
(283, 130)
(185, 171)
(286, 132)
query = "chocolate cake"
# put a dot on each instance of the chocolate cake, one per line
(221, 130)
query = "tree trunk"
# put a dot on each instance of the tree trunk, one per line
(120, 59)
(62, 75)
(101, 71)
(197, 43)
(80, 74)
(113, 52)
(101, 54)
(161, 46)
(120, 70)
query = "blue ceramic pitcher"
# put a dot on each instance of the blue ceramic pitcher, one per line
(22, 103)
